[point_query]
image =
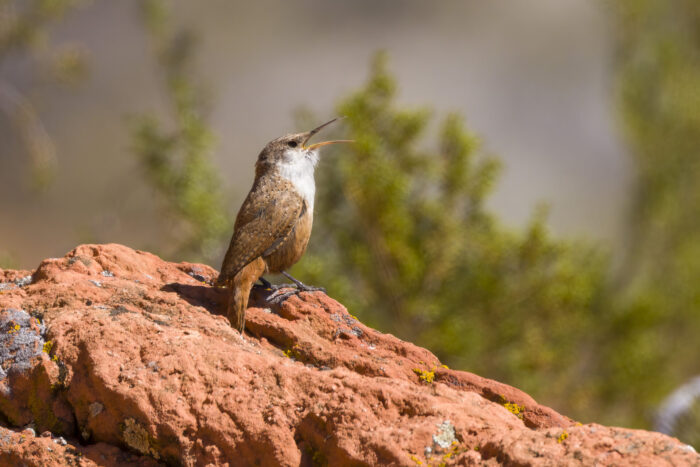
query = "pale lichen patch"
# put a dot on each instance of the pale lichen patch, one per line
(446, 435)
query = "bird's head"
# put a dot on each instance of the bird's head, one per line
(293, 149)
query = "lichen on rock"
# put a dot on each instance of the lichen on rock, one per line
(137, 437)
(21, 339)
(445, 436)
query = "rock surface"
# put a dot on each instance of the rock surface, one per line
(127, 357)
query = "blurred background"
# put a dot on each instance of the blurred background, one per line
(523, 197)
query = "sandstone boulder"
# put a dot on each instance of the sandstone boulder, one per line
(111, 356)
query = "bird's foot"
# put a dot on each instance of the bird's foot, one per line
(279, 296)
(282, 292)
(268, 286)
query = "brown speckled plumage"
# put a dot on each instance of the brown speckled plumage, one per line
(264, 225)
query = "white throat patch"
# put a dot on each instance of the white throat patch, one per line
(298, 167)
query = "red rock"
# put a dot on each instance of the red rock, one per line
(128, 355)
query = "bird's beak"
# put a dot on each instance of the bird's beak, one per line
(318, 145)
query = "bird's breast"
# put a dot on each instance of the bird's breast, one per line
(293, 247)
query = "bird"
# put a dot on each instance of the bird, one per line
(273, 225)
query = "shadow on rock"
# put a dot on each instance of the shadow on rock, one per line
(213, 299)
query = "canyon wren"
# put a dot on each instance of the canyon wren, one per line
(273, 225)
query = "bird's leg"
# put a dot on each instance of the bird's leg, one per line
(301, 286)
(267, 285)
(277, 296)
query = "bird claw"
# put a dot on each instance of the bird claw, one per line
(281, 292)
(280, 295)
(275, 287)
(301, 286)
(310, 288)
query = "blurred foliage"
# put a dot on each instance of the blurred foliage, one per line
(652, 340)
(402, 237)
(24, 26)
(176, 155)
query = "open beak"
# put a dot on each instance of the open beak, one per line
(318, 145)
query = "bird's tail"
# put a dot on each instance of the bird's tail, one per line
(239, 292)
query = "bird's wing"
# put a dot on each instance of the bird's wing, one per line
(266, 219)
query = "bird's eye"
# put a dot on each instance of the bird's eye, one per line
(292, 144)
